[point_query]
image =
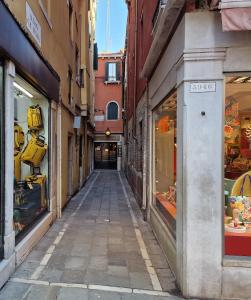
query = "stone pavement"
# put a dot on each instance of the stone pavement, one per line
(100, 249)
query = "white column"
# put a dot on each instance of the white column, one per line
(119, 158)
(9, 234)
(200, 174)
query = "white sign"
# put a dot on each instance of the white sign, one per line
(77, 122)
(203, 87)
(99, 118)
(33, 25)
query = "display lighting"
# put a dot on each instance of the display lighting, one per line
(240, 79)
(22, 90)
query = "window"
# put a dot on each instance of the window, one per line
(164, 157)
(31, 156)
(46, 9)
(77, 63)
(70, 19)
(112, 72)
(69, 85)
(237, 165)
(112, 111)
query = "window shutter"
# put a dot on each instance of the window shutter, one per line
(95, 57)
(106, 71)
(118, 71)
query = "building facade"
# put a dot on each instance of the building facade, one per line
(187, 117)
(45, 125)
(108, 112)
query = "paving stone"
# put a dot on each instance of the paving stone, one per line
(73, 276)
(13, 291)
(98, 263)
(76, 263)
(140, 280)
(100, 295)
(51, 275)
(72, 294)
(37, 292)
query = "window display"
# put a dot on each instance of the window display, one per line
(31, 136)
(164, 153)
(237, 166)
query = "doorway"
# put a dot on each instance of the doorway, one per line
(105, 156)
(70, 166)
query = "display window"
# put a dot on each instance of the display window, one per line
(164, 158)
(31, 159)
(237, 165)
(1, 158)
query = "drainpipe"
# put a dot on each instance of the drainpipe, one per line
(135, 70)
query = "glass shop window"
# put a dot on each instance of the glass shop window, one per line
(164, 157)
(237, 165)
(31, 146)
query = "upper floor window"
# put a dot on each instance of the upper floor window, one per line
(70, 12)
(112, 71)
(112, 111)
(45, 6)
(69, 85)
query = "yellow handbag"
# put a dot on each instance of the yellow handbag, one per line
(34, 117)
(34, 151)
(17, 165)
(18, 137)
(41, 180)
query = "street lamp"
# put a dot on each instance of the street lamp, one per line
(107, 132)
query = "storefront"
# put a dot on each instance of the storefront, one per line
(29, 92)
(200, 166)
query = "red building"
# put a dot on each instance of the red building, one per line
(108, 111)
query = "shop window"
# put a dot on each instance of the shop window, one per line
(1, 160)
(31, 147)
(112, 111)
(237, 165)
(164, 157)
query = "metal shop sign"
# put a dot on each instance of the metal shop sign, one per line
(33, 25)
(202, 87)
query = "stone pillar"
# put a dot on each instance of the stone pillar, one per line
(9, 234)
(200, 172)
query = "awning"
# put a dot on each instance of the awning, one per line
(236, 15)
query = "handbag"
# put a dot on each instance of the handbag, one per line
(18, 137)
(41, 180)
(34, 151)
(34, 117)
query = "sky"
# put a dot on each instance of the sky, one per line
(118, 18)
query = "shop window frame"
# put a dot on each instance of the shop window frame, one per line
(230, 259)
(2, 159)
(163, 217)
(20, 236)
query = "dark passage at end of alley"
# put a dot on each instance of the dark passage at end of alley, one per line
(100, 249)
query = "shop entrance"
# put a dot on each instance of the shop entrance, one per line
(105, 156)
(70, 161)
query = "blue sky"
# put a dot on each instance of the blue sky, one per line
(118, 18)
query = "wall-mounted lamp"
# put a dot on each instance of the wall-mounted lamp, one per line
(107, 132)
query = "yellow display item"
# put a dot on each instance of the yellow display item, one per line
(17, 165)
(34, 117)
(39, 179)
(18, 137)
(35, 151)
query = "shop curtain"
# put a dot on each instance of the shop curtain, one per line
(236, 15)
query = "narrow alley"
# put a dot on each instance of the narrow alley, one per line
(100, 249)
